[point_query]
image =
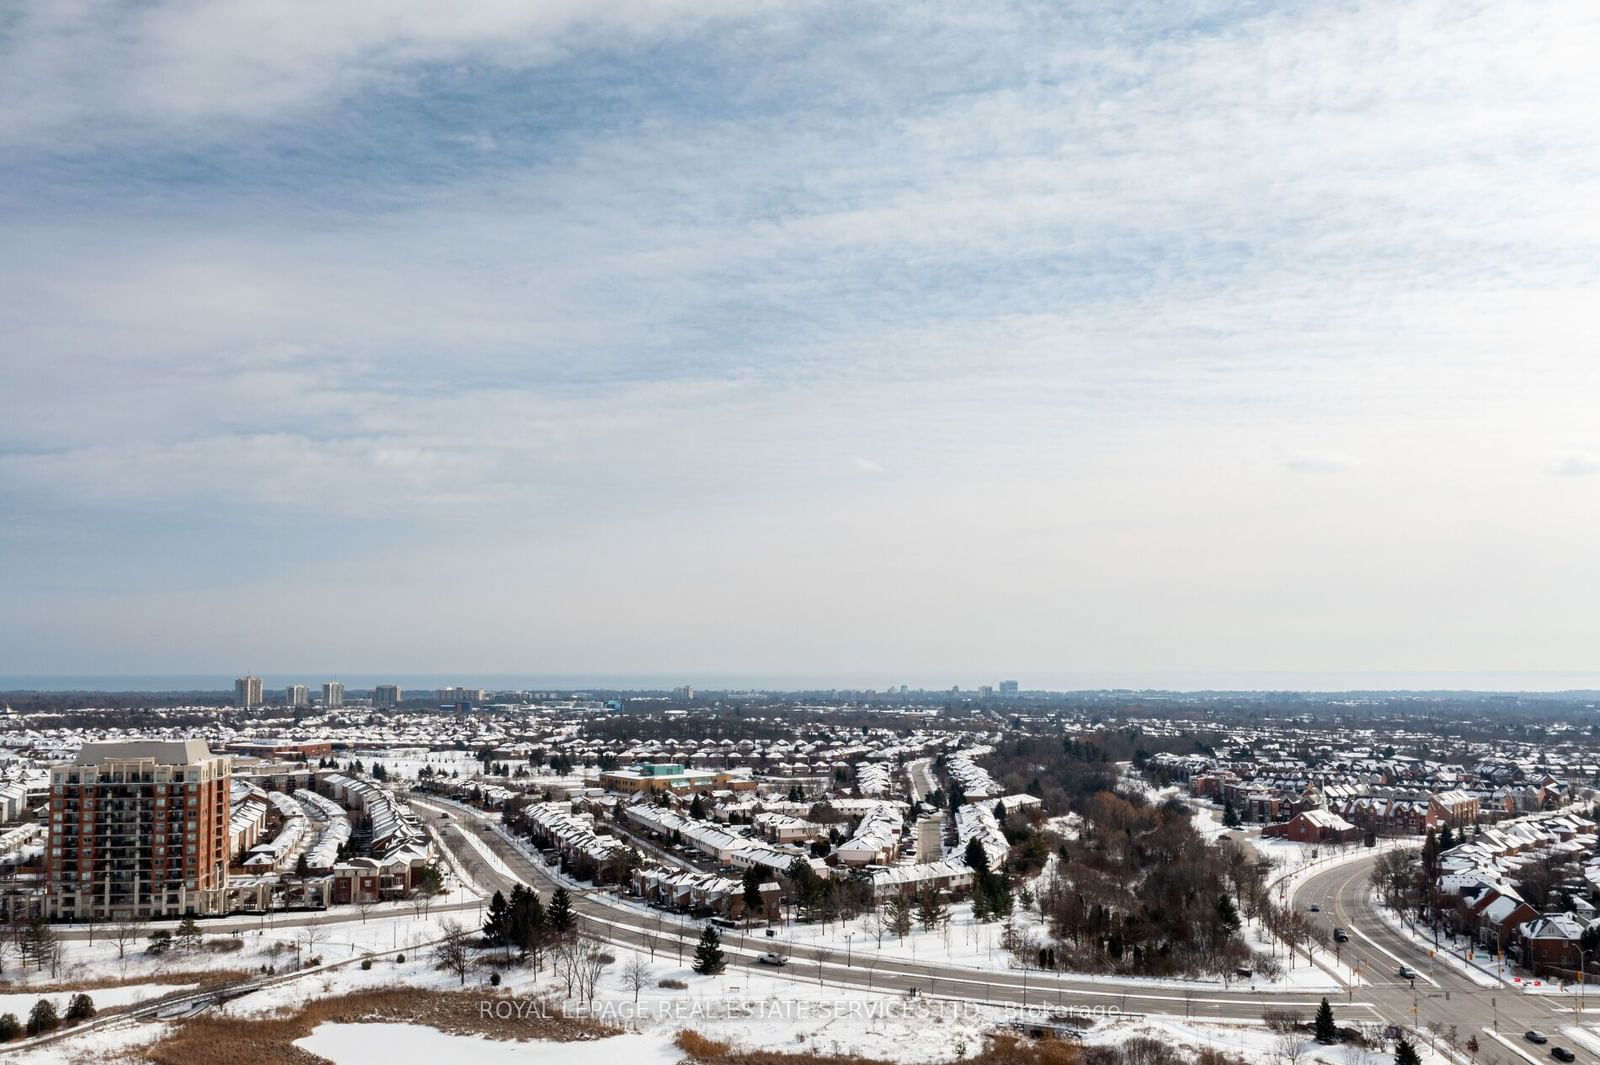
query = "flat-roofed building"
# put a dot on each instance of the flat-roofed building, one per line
(297, 695)
(386, 696)
(247, 691)
(332, 693)
(139, 829)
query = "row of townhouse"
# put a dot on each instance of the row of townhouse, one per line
(554, 825)
(977, 821)
(876, 840)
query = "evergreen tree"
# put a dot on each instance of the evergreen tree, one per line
(981, 909)
(697, 808)
(976, 857)
(899, 913)
(1326, 1032)
(1000, 895)
(708, 959)
(930, 908)
(559, 916)
(10, 1027)
(188, 934)
(80, 1008)
(497, 925)
(43, 1018)
(1230, 816)
(1227, 916)
(752, 890)
(1405, 1053)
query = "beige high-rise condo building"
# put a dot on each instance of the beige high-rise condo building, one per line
(138, 829)
(386, 696)
(247, 691)
(297, 695)
(332, 693)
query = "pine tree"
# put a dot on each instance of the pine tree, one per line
(1405, 1053)
(497, 925)
(708, 959)
(752, 890)
(1326, 1032)
(1230, 816)
(43, 1018)
(930, 908)
(559, 917)
(80, 1008)
(899, 911)
(188, 934)
(976, 857)
(1227, 916)
(10, 1027)
(981, 908)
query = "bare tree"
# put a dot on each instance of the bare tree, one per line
(451, 952)
(824, 956)
(125, 933)
(1288, 1048)
(307, 940)
(636, 976)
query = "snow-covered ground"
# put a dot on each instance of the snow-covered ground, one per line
(20, 1002)
(1254, 1043)
(415, 1044)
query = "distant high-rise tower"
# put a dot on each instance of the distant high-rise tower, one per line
(332, 694)
(297, 695)
(1008, 689)
(247, 691)
(386, 696)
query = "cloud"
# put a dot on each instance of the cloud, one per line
(285, 282)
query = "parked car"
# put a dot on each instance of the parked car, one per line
(1533, 1035)
(772, 957)
(1562, 1054)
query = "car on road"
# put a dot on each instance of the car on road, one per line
(772, 957)
(1562, 1054)
(1315, 908)
(1533, 1035)
(1341, 936)
(1406, 972)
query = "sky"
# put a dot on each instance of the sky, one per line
(942, 341)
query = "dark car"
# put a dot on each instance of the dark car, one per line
(1341, 936)
(1562, 1054)
(1315, 908)
(1533, 1035)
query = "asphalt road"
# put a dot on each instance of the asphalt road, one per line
(631, 927)
(1440, 996)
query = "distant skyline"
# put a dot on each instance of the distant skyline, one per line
(800, 339)
(414, 685)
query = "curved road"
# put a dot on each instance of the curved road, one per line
(1441, 995)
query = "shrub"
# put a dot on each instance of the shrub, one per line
(399, 958)
(80, 1008)
(43, 1018)
(670, 983)
(494, 979)
(366, 963)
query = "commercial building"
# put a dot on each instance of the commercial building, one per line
(332, 693)
(297, 695)
(670, 777)
(138, 829)
(247, 691)
(386, 696)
